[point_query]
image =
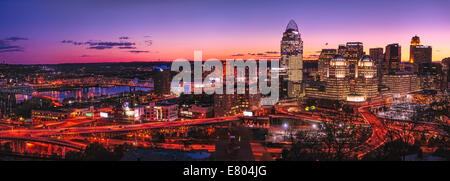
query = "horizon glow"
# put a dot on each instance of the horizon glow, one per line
(220, 29)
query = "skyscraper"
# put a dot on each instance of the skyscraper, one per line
(337, 87)
(378, 57)
(353, 52)
(366, 78)
(291, 74)
(341, 49)
(430, 76)
(418, 53)
(324, 62)
(445, 73)
(161, 79)
(392, 59)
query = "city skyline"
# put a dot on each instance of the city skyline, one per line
(116, 80)
(51, 32)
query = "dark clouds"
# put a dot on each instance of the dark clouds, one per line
(6, 46)
(138, 51)
(266, 54)
(15, 38)
(127, 47)
(102, 45)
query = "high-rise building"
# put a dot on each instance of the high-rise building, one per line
(231, 104)
(366, 78)
(341, 49)
(337, 82)
(225, 105)
(324, 62)
(161, 79)
(291, 63)
(392, 59)
(415, 40)
(418, 53)
(430, 76)
(445, 73)
(337, 87)
(400, 84)
(353, 52)
(377, 56)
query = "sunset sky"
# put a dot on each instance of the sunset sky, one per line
(66, 31)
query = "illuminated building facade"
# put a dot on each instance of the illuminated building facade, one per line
(445, 73)
(341, 49)
(196, 111)
(336, 80)
(225, 104)
(430, 75)
(45, 115)
(353, 50)
(336, 86)
(232, 104)
(149, 112)
(291, 64)
(324, 62)
(166, 112)
(366, 78)
(400, 84)
(419, 54)
(392, 59)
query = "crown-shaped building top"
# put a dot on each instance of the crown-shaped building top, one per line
(415, 41)
(292, 25)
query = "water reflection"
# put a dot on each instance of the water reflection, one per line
(86, 93)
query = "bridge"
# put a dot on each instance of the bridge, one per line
(43, 135)
(95, 81)
(64, 143)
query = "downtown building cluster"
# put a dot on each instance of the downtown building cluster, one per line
(345, 74)
(349, 74)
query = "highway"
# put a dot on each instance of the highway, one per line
(42, 135)
(379, 132)
(377, 138)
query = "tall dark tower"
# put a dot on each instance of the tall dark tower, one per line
(393, 57)
(419, 54)
(353, 52)
(291, 74)
(377, 56)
